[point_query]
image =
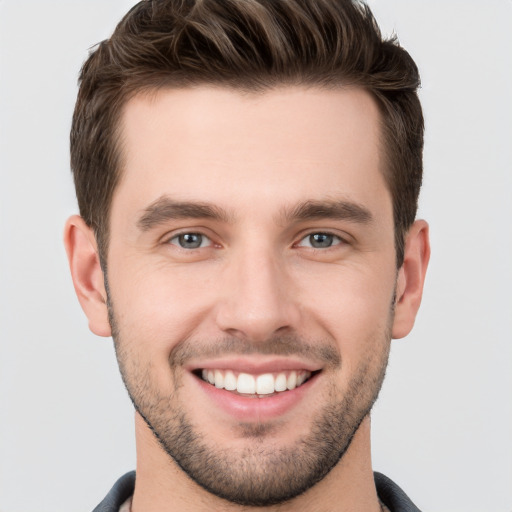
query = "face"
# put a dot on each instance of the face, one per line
(251, 273)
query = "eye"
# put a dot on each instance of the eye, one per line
(190, 240)
(320, 241)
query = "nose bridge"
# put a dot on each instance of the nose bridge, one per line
(257, 293)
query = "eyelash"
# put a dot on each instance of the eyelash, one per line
(335, 240)
(190, 233)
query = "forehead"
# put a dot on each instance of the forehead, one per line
(238, 149)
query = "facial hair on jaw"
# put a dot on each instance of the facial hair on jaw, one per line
(261, 474)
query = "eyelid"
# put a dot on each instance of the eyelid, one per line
(169, 236)
(204, 239)
(344, 239)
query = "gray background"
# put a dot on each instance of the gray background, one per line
(443, 425)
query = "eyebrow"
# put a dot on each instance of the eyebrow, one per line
(329, 209)
(165, 209)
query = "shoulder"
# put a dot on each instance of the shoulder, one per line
(392, 495)
(119, 493)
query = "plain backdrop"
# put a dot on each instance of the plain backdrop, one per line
(442, 427)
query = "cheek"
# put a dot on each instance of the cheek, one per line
(353, 305)
(158, 304)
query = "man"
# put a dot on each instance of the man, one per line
(247, 174)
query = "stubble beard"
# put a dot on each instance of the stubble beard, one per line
(260, 474)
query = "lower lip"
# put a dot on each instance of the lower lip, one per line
(249, 409)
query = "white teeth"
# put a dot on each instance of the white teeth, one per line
(246, 384)
(265, 384)
(280, 383)
(291, 382)
(230, 381)
(300, 379)
(219, 379)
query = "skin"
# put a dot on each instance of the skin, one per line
(256, 278)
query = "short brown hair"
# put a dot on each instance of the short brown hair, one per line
(254, 45)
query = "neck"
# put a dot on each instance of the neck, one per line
(162, 486)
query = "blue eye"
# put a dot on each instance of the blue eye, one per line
(190, 240)
(320, 241)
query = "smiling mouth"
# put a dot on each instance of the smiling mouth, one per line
(255, 386)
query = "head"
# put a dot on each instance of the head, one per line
(248, 174)
(248, 46)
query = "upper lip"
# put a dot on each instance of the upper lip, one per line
(254, 365)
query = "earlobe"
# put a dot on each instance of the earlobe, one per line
(411, 277)
(87, 274)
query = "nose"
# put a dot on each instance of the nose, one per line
(258, 296)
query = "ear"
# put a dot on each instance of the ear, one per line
(411, 277)
(87, 275)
